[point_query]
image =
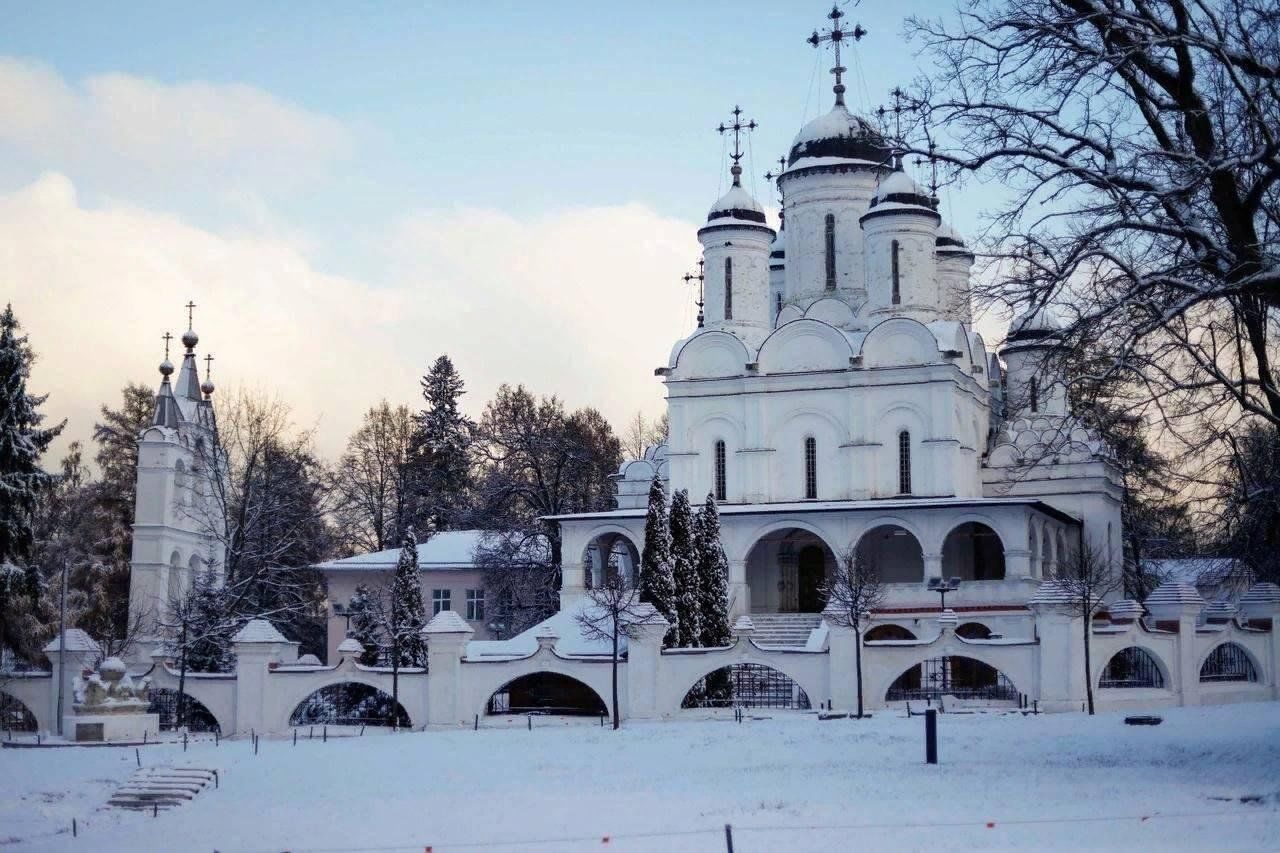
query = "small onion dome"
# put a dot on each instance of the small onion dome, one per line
(1126, 610)
(840, 134)
(1220, 610)
(949, 242)
(899, 195)
(190, 339)
(166, 368)
(1039, 321)
(737, 203)
(206, 387)
(778, 249)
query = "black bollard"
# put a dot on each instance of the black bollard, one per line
(1035, 706)
(529, 717)
(255, 744)
(184, 741)
(362, 730)
(215, 778)
(155, 810)
(477, 728)
(311, 733)
(137, 754)
(74, 831)
(295, 737)
(728, 838)
(324, 732)
(217, 737)
(931, 736)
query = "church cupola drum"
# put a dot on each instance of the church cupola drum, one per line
(900, 230)
(735, 246)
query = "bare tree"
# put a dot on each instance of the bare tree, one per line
(613, 607)
(372, 497)
(520, 588)
(854, 591)
(1136, 152)
(1083, 578)
(640, 432)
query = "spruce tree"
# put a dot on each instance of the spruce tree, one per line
(657, 585)
(363, 624)
(442, 446)
(713, 575)
(685, 571)
(407, 613)
(22, 443)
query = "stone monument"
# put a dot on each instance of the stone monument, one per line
(111, 706)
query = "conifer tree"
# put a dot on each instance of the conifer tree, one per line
(657, 584)
(685, 571)
(407, 613)
(363, 624)
(442, 462)
(22, 442)
(713, 575)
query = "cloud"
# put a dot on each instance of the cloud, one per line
(583, 303)
(136, 129)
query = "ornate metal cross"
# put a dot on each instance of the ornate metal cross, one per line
(835, 36)
(737, 129)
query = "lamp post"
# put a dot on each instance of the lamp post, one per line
(942, 586)
(62, 644)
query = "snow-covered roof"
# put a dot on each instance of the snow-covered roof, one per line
(736, 204)
(571, 638)
(1052, 592)
(452, 550)
(1038, 321)
(1261, 593)
(839, 135)
(447, 622)
(1125, 609)
(259, 631)
(1196, 571)
(1174, 594)
(77, 641)
(350, 646)
(1219, 611)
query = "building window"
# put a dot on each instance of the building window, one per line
(897, 284)
(777, 306)
(728, 288)
(720, 478)
(810, 468)
(904, 463)
(1035, 395)
(440, 600)
(831, 251)
(475, 605)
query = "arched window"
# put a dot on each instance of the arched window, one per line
(897, 284)
(1228, 662)
(728, 288)
(1132, 667)
(904, 463)
(720, 473)
(811, 468)
(1035, 394)
(831, 251)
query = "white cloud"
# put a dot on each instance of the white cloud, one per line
(133, 128)
(581, 303)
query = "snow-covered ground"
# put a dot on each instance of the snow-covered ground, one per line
(787, 783)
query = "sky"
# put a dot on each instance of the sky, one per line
(348, 190)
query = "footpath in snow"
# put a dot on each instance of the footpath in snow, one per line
(1208, 778)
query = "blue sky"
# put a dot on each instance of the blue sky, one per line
(379, 123)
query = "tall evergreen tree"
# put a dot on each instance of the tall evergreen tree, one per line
(407, 614)
(442, 452)
(22, 443)
(685, 571)
(362, 624)
(657, 584)
(713, 575)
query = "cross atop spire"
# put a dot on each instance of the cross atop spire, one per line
(773, 177)
(190, 306)
(737, 129)
(208, 367)
(689, 278)
(836, 35)
(167, 337)
(901, 103)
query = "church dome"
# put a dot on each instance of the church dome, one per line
(897, 194)
(949, 239)
(778, 250)
(737, 203)
(841, 134)
(1039, 321)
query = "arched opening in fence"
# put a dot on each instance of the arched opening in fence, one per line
(546, 693)
(952, 676)
(887, 632)
(1131, 668)
(1228, 662)
(746, 685)
(198, 718)
(973, 552)
(974, 631)
(15, 716)
(349, 703)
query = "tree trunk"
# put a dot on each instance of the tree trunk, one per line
(857, 657)
(395, 682)
(180, 712)
(615, 672)
(1088, 667)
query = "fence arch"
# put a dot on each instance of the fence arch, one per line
(15, 716)
(164, 702)
(349, 703)
(547, 693)
(746, 685)
(952, 675)
(1134, 667)
(1229, 662)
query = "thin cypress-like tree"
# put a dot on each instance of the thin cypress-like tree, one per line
(685, 571)
(657, 584)
(406, 616)
(713, 575)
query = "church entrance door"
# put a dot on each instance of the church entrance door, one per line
(812, 575)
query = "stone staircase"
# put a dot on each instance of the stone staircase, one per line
(784, 629)
(161, 788)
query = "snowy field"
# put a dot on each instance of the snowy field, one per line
(1207, 779)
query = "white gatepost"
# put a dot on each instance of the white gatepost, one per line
(257, 646)
(644, 663)
(80, 654)
(447, 635)
(1178, 603)
(842, 663)
(1261, 604)
(1060, 676)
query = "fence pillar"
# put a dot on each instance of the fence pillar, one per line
(842, 675)
(81, 653)
(644, 665)
(258, 645)
(447, 635)
(1060, 675)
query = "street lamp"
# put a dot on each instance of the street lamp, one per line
(942, 586)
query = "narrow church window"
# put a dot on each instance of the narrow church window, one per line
(1035, 395)
(897, 286)
(720, 478)
(810, 468)
(904, 462)
(777, 305)
(831, 251)
(728, 288)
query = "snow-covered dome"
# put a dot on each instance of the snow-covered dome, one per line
(897, 194)
(841, 134)
(778, 250)
(737, 203)
(1038, 321)
(950, 241)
